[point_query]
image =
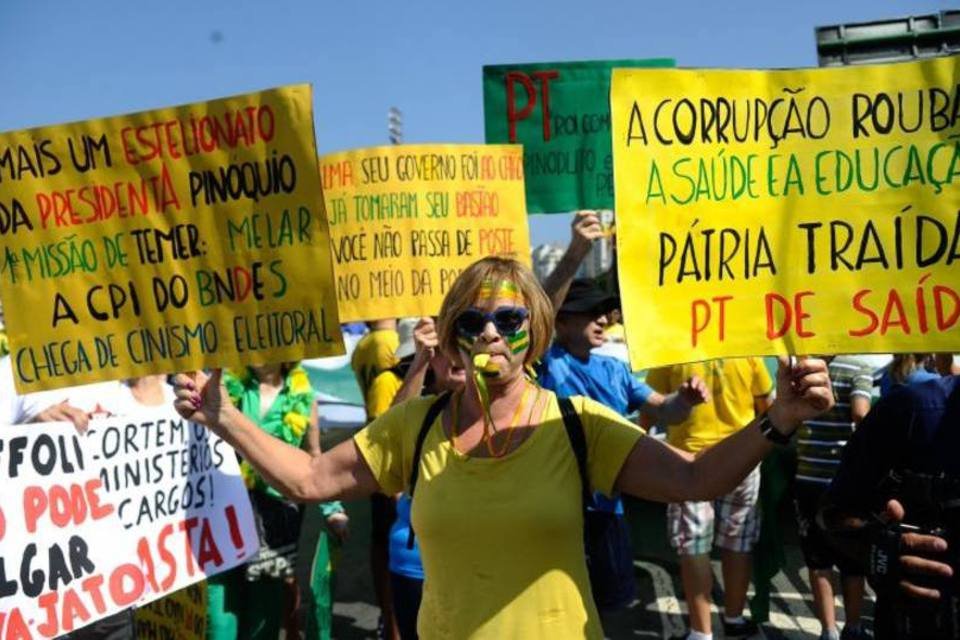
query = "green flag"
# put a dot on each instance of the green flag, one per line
(560, 112)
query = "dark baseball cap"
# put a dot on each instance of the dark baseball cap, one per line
(586, 296)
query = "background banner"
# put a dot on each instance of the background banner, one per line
(405, 220)
(178, 616)
(560, 112)
(808, 211)
(164, 241)
(137, 508)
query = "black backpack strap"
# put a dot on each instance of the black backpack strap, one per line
(578, 442)
(428, 419)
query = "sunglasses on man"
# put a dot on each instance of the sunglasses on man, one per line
(507, 320)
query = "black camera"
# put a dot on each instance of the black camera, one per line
(932, 507)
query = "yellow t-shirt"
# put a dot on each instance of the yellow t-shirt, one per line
(374, 354)
(733, 383)
(381, 393)
(615, 332)
(501, 538)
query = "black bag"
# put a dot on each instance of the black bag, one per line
(606, 536)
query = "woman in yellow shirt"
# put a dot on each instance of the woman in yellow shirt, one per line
(497, 507)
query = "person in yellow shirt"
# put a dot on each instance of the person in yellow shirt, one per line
(498, 498)
(373, 361)
(373, 355)
(740, 390)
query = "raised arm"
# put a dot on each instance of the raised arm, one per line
(586, 228)
(340, 473)
(656, 471)
(425, 341)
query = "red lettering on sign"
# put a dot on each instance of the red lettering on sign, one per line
(513, 115)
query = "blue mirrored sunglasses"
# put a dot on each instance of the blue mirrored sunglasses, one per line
(507, 320)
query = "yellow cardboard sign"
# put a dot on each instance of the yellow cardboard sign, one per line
(182, 615)
(406, 220)
(165, 241)
(800, 211)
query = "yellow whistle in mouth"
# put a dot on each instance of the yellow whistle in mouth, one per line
(482, 363)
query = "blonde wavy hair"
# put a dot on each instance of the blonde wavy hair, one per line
(464, 292)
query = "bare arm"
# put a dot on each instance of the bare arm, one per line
(586, 228)
(656, 471)
(341, 473)
(311, 439)
(63, 412)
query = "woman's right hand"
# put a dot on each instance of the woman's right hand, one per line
(202, 399)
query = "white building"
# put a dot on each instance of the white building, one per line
(545, 258)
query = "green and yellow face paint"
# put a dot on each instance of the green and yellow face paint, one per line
(518, 342)
(500, 290)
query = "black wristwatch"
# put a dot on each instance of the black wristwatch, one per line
(770, 432)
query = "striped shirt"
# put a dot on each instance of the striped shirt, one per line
(820, 441)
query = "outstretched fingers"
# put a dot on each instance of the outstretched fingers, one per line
(922, 566)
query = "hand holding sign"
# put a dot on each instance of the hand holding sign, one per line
(203, 399)
(803, 392)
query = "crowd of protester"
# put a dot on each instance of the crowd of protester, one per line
(480, 499)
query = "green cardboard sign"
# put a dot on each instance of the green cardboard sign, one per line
(560, 112)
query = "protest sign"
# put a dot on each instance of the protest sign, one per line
(178, 490)
(136, 509)
(164, 241)
(406, 220)
(61, 566)
(560, 112)
(178, 616)
(795, 211)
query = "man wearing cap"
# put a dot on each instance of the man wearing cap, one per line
(570, 368)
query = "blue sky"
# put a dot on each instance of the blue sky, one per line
(66, 61)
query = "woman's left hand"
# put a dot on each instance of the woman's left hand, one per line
(803, 392)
